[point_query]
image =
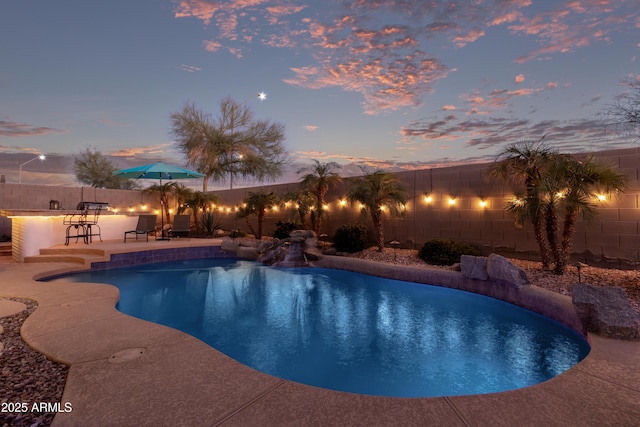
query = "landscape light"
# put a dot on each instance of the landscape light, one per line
(41, 157)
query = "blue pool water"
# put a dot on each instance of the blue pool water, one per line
(348, 331)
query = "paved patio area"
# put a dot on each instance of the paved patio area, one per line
(126, 371)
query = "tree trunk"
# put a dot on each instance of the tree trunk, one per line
(250, 226)
(379, 226)
(538, 232)
(260, 218)
(551, 224)
(565, 245)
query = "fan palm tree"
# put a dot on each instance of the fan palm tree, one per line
(377, 192)
(303, 201)
(525, 164)
(257, 204)
(582, 181)
(165, 191)
(199, 201)
(319, 180)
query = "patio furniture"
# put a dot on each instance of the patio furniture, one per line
(146, 225)
(84, 224)
(181, 226)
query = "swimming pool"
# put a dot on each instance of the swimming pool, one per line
(348, 331)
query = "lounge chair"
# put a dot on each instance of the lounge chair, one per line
(146, 225)
(181, 226)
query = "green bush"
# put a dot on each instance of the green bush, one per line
(208, 223)
(234, 234)
(351, 238)
(283, 229)
(445, 252)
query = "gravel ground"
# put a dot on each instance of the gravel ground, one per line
(629, 280)
(28, 376)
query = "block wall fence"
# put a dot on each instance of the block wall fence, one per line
(615, 235)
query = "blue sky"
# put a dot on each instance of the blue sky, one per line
(392, 84)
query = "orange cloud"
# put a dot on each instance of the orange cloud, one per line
(519, 78)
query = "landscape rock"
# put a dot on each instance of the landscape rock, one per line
(229, 245)
(474, 267)
(501, 270)
(247, 252)
(606, 311)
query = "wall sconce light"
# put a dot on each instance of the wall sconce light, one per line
(452, 201)
(130, 209)
(325, 207)
(343, 202)
(428, 199)
(602, 197)
(483, 203)
(143, 207)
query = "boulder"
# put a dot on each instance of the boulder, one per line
(312, 253)
(229, 245)
(501, 270)
(606, 311)
(474, 267)
(247, 252)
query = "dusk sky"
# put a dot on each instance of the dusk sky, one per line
(393, 84)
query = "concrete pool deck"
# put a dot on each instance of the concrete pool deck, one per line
(126, 371)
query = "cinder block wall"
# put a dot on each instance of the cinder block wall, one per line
(614, 235)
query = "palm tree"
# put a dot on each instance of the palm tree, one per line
(524, 164)
(165, 191)
(377, 192)
(303, 201)
(232, 145)
(319, 180)
(199, 202)
(582, 181)
(257, 204)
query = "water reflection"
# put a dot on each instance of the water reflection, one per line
(353, 332)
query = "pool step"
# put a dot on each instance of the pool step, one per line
(72, 251)
(55, 258)
(5, 249)
(81, 255)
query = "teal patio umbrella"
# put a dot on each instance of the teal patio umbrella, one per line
(160, 171)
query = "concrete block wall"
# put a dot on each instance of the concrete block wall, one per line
(615, 234)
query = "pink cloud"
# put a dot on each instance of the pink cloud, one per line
(519, 78)
(311, 128)
(15, 129)
(357, 46)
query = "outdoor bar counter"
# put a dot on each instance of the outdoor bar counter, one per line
(34, 229)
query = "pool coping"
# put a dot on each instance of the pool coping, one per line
(125, 370)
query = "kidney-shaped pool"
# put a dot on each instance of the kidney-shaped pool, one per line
(348, 331)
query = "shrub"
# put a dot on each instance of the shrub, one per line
(208, 223)
(283, 229)
(445, 252)
(234, 234)
(350, 238)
